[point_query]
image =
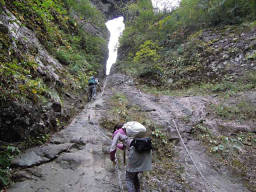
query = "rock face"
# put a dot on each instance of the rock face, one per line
(19, 121)
(62, 97)
(229, 51)
(111, 8)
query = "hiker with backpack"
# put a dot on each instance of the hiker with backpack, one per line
(92, 82)
(131, 134)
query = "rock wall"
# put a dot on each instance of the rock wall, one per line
(45, 95)
(21, 120)
(227, 50)
(111, 8)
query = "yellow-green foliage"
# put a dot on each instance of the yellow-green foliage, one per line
(133, 9)
(195, 35)
(79, 53)
(140, 17)
(2, 2)
(162, 23)
(148, 53)
(16, 81)
(121, 112)
(56, 29)
(252, 24)
(41, 16)
(87, 11)
(172, 29)
(51, 21)
(42, 8)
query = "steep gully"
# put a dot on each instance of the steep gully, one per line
(77, 159)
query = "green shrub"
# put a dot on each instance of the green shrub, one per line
(171, 29)
(86, 11)
(6, 155)
(148, 53)
(64, 56)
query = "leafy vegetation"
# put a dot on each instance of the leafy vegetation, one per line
(34, 141)
(226, 88)
(16, 81)
(177, 39)
(231, 150)
(6, 155)
(62, 35)
(242, 111)
(147, 53)
(157, 48)
(86, 11)
(121, 112)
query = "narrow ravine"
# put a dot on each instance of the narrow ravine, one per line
(77, 159)
(186, 71)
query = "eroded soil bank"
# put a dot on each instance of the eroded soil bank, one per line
(77, 159)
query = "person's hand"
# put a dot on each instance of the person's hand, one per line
(113, 156)
(121, 146)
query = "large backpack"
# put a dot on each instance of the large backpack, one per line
(137, 131)
(91, 81)
(134, 129)
(142, 144)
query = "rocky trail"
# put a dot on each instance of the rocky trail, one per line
(76, 158)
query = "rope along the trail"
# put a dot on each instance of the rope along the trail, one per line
(104, 135)
(207, 185)
(204, 179)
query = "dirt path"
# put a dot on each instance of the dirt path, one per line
(77, 159)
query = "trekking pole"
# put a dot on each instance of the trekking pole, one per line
(104, 135)
(119, 175)
(124, 156)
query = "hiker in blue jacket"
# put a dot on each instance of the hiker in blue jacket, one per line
(92, 82)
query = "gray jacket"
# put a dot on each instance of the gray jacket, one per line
(137, 162)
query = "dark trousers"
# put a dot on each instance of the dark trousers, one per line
(92, 92)
(132, 181)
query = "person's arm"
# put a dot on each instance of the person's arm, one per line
(113, 147)
(119, 145)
